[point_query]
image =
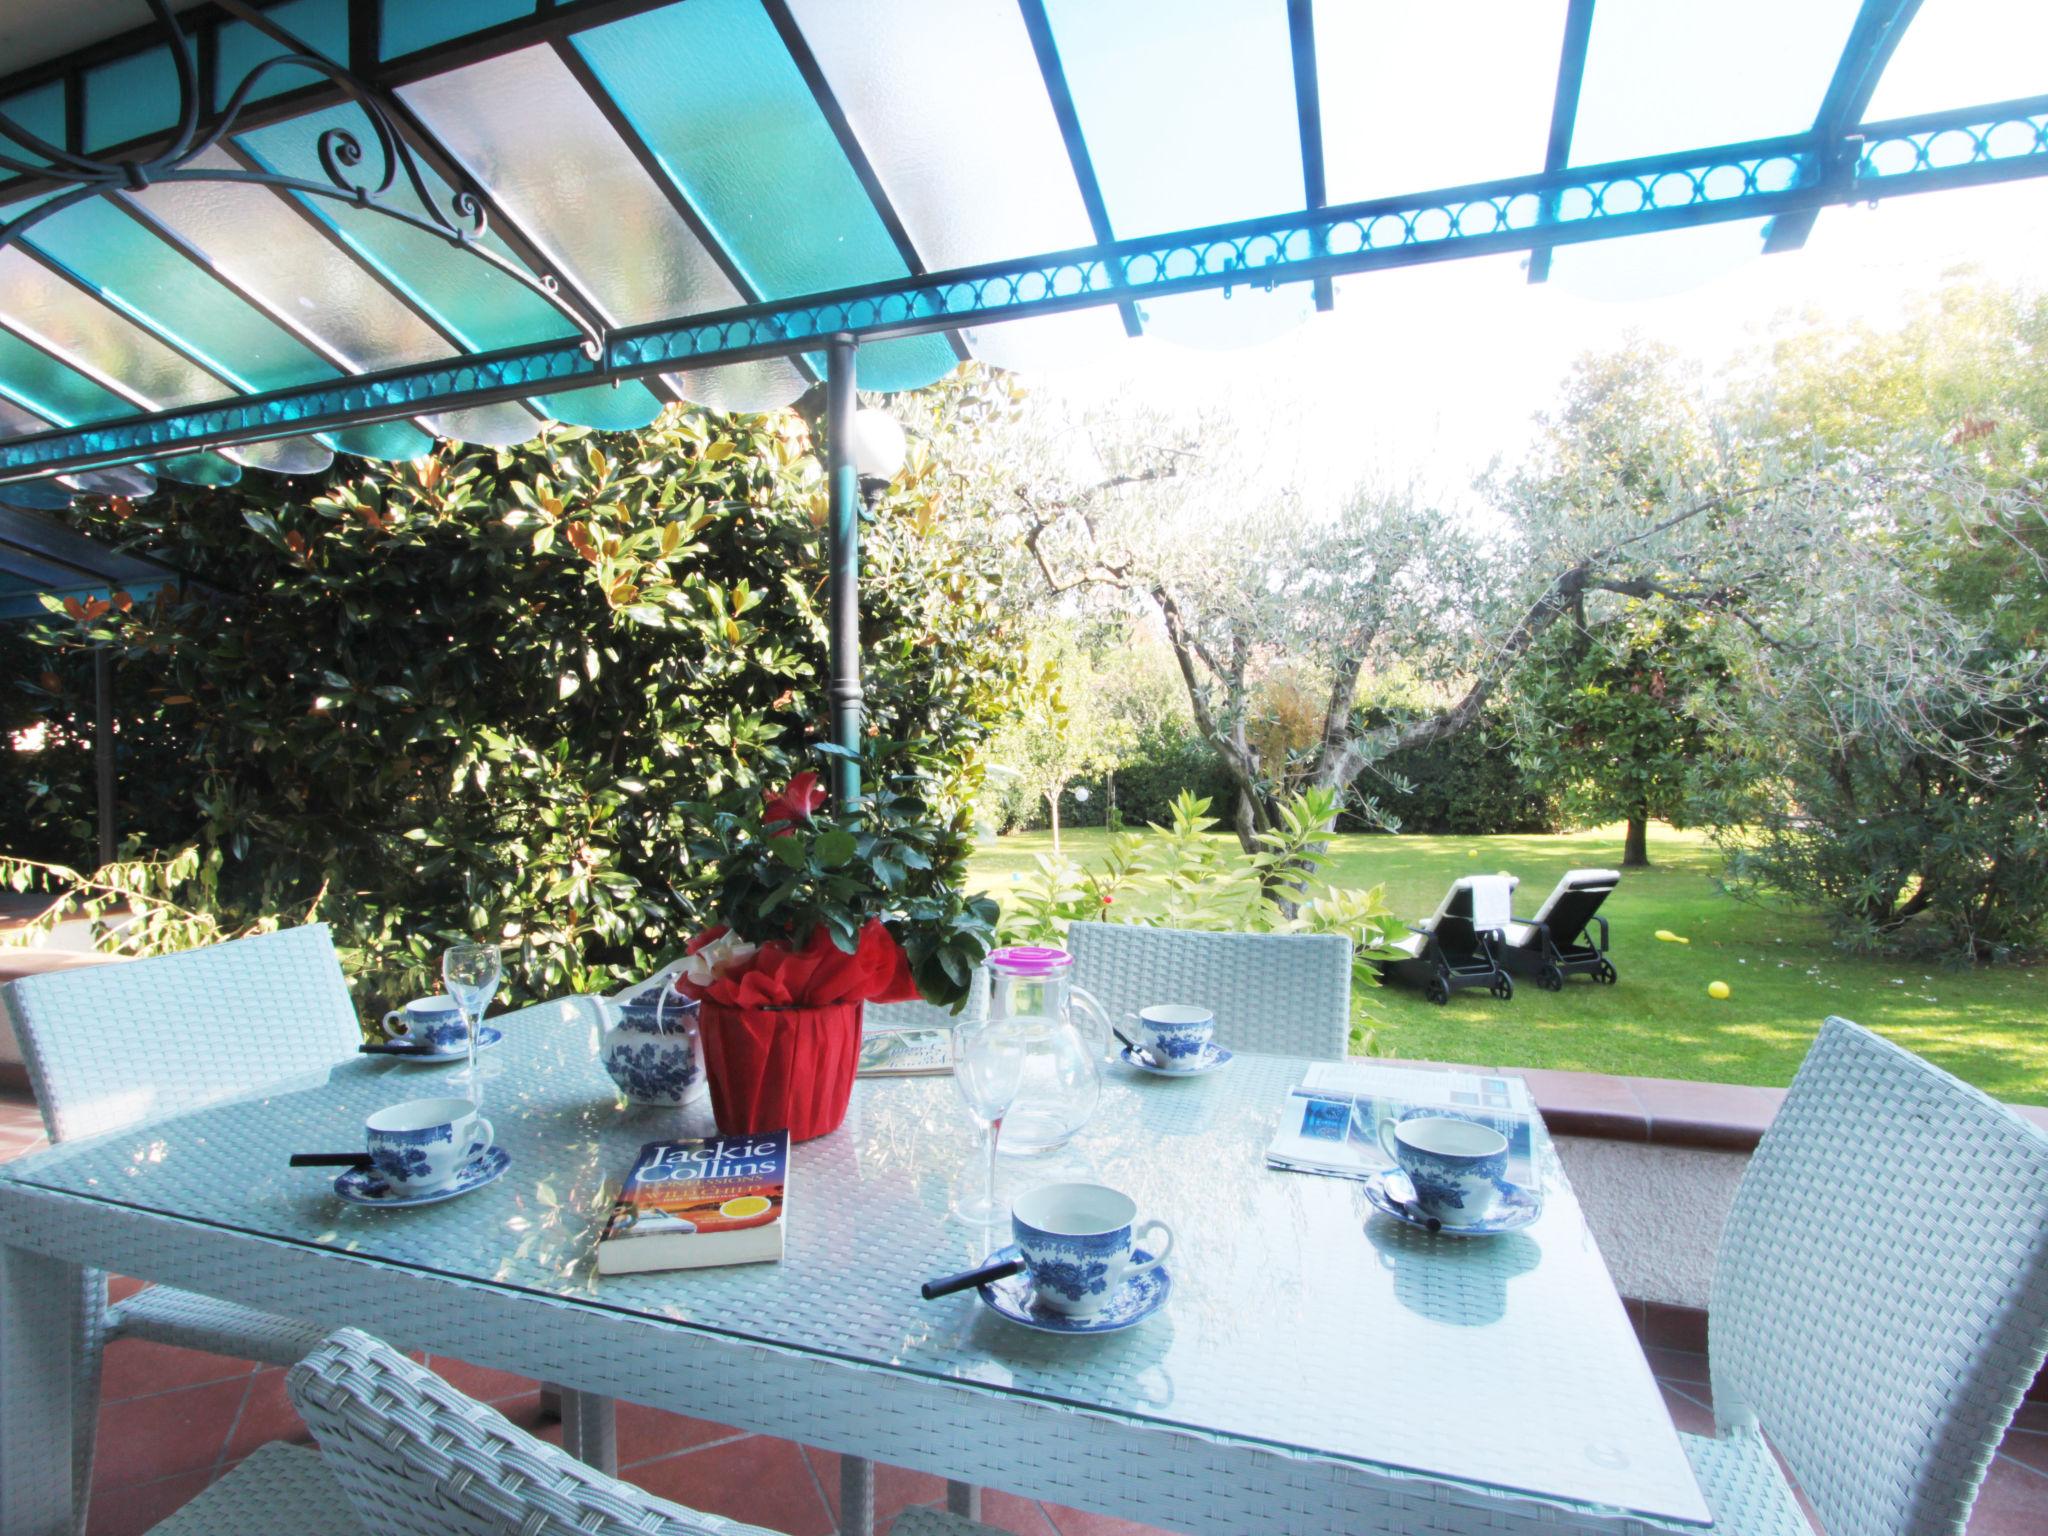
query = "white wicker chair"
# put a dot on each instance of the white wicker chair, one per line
(1283, 994)
(109, 1046)
(1880, 1298)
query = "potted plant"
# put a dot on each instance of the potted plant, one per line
(817, 913)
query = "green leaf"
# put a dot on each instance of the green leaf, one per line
(835, 847)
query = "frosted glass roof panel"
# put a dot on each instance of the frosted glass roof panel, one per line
(1187, 107)
(135, 270)
(322, 25)
(711, 88)
(766, 385)
(1422, 96)
(51, 390)
(486, 308)
(489, 426)
(625, 408)
(97, 338)
(1965, 51)
(527, 129)
(253, 236)
(1663, 77)
(41, 112)
(1650, 266)
(978, 121)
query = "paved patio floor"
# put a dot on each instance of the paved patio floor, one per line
(172, 1420)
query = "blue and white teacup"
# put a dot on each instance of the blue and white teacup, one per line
(1177, 1034)
(1078, 1241)
(431, 1023)
(1455, 1165)
(419, 1146)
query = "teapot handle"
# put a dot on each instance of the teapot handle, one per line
(1098, 1017)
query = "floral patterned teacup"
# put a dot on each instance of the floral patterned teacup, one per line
(1079, 1242)
(419, 1146)
(1455, 1165)
(1177, 1034)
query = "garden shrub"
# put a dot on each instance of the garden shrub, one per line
(1467, 784)
(470, 695)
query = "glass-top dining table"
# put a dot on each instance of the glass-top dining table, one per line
(1318, 1368)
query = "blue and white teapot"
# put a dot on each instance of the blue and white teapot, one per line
(651, 1046)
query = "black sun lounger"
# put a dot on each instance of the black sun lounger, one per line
(1554, 944)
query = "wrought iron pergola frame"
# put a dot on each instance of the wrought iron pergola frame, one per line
(1841, 159)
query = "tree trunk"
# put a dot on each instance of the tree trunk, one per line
(1635, 848)
(1052, 804)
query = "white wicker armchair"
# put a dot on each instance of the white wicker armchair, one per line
(109, 1046)
(1283, 994)
(1880, 1299)
(402, 1453)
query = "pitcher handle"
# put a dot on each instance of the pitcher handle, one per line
(1098, 1017)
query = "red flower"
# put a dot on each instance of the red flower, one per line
(798, 800)
(1106, 901)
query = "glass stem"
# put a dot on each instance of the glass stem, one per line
(475, 1088)
(995, 1129)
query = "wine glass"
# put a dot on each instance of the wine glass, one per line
(988, 1062)
(470, 973)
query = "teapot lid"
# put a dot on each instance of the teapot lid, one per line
(1030, 960)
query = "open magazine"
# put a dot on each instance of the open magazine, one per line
(1332, 1121)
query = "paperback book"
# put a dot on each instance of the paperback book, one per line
(689, 1204)
(1332, 1123)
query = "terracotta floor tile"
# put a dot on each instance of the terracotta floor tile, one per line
(1689, 1414)
(753, 1479)
(146, 1438)
(132, 1511)
(1007, 1512)
(480, 1382)
(2033, 1416)
(266, 1414)
(648, 1433)
(896, 1488)
(1079, 1522)
(2031, 1452)
(120, 1287)
(1679, 1365)
(137, 1367)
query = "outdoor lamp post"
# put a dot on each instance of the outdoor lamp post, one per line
(863, 452)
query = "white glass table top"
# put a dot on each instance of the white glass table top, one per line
(1297, 1318)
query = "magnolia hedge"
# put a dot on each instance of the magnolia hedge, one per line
(471, 694)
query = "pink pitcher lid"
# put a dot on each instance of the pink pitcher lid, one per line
(1030, 960)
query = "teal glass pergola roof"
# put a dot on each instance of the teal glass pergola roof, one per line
(685, 199)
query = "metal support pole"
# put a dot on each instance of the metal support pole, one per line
(843, 593)
(103, 746)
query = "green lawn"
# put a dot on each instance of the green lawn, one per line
(1989, 1026)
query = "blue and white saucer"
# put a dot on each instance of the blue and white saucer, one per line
(1212, 1058)
(1517, 1208)
(1135, 1299)
(486, 1037)
(363, 1186)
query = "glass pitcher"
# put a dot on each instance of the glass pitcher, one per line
(1032, 996)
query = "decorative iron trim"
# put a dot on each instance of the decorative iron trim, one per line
(1740, 181)
(352, 177)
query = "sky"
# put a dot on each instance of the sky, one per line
(1429, 373)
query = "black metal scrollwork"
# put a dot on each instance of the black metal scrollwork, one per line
(353, 176)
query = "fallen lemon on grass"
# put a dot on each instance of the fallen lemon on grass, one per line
(1671, 938)
(743, 1206)
(1718, 991)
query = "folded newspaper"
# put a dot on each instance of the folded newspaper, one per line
(916, 1051)
(1332, 1123)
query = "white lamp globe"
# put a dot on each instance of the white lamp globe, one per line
(878, 446)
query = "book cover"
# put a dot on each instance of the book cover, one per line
(689, 1204)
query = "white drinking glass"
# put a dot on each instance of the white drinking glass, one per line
(470, 973)
(988, 1064)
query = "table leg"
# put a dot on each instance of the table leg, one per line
(590, 1429)
(963, 1499)
(40, 1301)
(856, 1496)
